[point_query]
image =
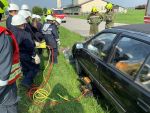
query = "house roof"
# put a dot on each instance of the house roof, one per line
(108, 1)
(78, 5)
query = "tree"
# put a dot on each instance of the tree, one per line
(37, 10)
(44, 10)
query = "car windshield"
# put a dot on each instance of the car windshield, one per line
(58, 11)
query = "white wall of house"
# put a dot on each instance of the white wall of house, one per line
(120, 10)
(86, 8)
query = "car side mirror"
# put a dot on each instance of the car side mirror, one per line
(79, 46)
(145, 74)
(99, 44)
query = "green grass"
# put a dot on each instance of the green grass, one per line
(3, 24)
(131, 17)
(63, 81)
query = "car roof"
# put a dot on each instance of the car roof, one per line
(139, 29)
(142, 28)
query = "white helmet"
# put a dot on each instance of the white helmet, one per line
(58, 20)
(13, 7)
(29, 13)
(25, 7)
(38, 16)
(18, 20)
(34, 16)
(23, 13)
(49, 17)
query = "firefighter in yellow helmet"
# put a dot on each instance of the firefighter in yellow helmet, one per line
(49, 12)
(3, 5)
(109, 16)
(94, 19)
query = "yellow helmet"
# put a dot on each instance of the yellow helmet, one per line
(94, 10)
(109, 6)
(49, 12)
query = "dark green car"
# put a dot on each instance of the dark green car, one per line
(118, 62)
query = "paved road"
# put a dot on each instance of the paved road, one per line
(81, 26)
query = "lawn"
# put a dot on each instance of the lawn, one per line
(131, 17)
(63, 81)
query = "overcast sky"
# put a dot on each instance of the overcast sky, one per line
(52, 3)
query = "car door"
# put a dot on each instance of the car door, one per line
(128, 57)
(143, 80)
(94, 53)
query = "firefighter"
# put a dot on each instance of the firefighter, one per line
(94, 19)
(29, 59)
(10, 71)
(51, 35)
(32, 30)
(25, 7)
(37, 25)
(57, 23)
(109, 16)
(3, 5)
(49, 12)
(13, 10)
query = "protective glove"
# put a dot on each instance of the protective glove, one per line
(58, 42)
(36, 59)
(37, 44)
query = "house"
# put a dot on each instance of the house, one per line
(119, 9)
(85, 6)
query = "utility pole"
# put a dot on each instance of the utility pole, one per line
(59, 3)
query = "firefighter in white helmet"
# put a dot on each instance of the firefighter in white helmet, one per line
(29, 59)
(13, 10)
(51, 35)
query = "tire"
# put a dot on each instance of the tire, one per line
(78, 67)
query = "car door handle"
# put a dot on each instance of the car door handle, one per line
(143, 105)
(96, 65)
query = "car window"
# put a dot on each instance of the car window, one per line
(144, 76)
(101, 44)
(129, 55)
